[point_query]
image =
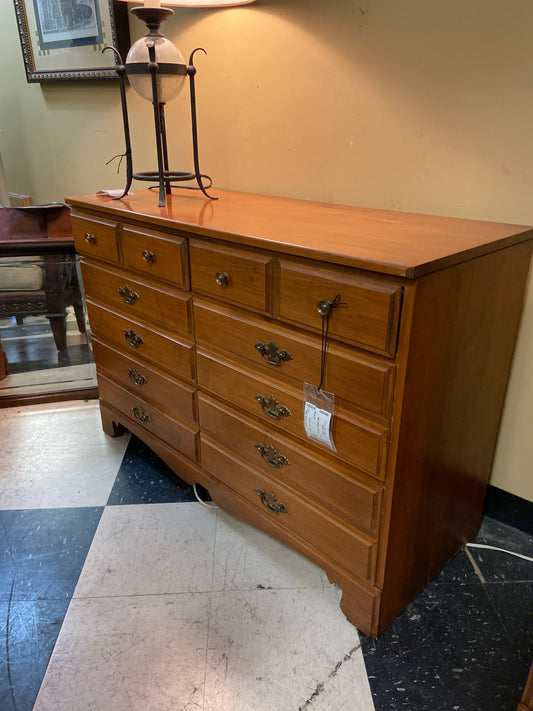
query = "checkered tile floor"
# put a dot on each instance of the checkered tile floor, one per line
(118, 590)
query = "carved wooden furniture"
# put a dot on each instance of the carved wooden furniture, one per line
(207, 321)
(37, 273)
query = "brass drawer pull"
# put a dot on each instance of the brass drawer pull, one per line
(148, 256)
(272, 408)
(323, 307)
(222, 278)
(132, 338)
(140, 415)
(270, 502)
(271, 456)
(90, 238)
(127, 295)
(271, 353)
(137, 377)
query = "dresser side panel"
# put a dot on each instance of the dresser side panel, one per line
(462, 338)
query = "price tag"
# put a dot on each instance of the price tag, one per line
(317, 423)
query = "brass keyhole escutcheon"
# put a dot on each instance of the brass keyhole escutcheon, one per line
(272, 408)
(222, 279)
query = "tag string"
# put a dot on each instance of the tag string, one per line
(325, 329)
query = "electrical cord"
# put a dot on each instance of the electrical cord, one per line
(207, 504)
(501, 550)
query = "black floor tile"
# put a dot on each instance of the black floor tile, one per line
(42, 551)
(497, 566)
(459, 570)
(143, 478)
(448, 651)
(29, 630)
(513, 603)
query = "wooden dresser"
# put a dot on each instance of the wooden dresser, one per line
(206, 323)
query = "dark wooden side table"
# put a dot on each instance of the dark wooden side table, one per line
(43, 231)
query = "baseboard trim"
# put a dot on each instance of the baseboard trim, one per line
(42, 398)
(509, 509)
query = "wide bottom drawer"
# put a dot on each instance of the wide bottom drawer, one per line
(327, 481)
(353, 550)
(175, 433)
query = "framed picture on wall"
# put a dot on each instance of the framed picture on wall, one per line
(62, 40)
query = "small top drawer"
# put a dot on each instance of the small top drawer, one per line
(235, 275)
(95, 237)
(368, 314)
(158, 255)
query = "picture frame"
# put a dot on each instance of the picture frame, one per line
(62, 40)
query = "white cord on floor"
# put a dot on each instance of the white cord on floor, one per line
(501, 550)
(207, 504)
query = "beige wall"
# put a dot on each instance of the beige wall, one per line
(404, 104)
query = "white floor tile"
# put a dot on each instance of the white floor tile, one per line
(129, 654)
(20, 428)
(150, 549)
(283, 650)
(72, 425)
(247, 559)
(59, 476)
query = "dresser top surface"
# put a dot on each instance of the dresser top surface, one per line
(383, 241)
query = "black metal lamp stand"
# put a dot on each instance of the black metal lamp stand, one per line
(153, 17)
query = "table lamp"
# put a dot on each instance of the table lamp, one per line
(157, 71)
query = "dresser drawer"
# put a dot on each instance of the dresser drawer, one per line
(176, 434)
(358, 442)
(156, 255)
(359, 380)
(138, 299)
(368, 315)
(234, 275)
(281, 459)
(144, 342)
(354, 550)
(95, 237)
(176, 398)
